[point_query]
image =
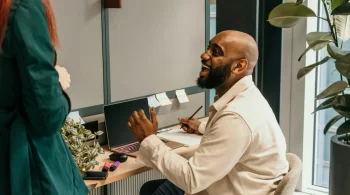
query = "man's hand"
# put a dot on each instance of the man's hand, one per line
(63, 77)
(190, 126)
(140, 126)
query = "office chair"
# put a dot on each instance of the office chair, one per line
(289, 182)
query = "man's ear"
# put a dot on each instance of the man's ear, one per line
(240, 66)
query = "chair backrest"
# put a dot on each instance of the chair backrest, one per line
(289, 182)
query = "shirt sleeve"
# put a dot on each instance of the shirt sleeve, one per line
(202, 127)
(42, 98)
(229, 137)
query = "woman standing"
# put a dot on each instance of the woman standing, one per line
(34, 159)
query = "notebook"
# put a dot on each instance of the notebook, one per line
(179, 135)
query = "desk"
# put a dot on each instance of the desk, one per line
(130, 167)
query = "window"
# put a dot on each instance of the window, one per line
(326, 75)
(302, 129)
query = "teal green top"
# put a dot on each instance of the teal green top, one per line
(34, 159)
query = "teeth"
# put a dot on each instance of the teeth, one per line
(205, 66)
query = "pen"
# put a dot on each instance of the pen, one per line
(192, 116)
(163, 130)
(114, 166)
(106, 166)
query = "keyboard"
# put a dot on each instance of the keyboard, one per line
(130, 148)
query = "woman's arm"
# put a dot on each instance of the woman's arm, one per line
(42, 96)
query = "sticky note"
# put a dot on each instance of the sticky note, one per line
(163, 99)
(75, 116)
(152, 101)
(182, 96)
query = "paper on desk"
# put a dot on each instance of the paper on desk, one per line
(163, 99)
(182, 96)
(75, 116)
(179, 135)
(152, 101)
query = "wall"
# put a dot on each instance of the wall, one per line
(115, 54)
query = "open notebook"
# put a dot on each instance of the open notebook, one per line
(179, 135)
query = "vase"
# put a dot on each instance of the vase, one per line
(339, 172)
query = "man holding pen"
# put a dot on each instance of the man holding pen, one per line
(243, 150)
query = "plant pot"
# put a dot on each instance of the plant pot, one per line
(339, 172)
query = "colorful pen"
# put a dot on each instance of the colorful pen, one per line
(106, 166)
(114, 166)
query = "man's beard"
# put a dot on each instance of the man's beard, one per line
(215, 77)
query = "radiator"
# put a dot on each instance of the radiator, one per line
(97, 191)
(128, 186)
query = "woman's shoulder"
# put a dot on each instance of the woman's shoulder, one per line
(25, 5)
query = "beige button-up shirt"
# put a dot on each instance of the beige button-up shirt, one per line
(242, 152)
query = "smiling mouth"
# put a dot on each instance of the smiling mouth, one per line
(205, 67)
(205, 70)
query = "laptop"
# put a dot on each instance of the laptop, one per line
(119, 136)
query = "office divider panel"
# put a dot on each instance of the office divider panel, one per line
(167, 115)
(155, 46)
(79, 30)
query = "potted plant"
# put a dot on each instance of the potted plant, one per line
(76, 137)
(287, 15)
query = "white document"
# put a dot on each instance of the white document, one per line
(179, 135)
(75, 116)
(163, 99)
(182, 96)
(152, 101)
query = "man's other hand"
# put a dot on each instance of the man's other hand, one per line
(141, 126)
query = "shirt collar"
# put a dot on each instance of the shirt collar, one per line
(237, 88)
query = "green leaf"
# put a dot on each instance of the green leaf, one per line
(313, 45)
(343, 65)
(74, 131)
(98, 133)
(287, 15)
(341, 104)
(342, 10)
(331, 123)
(87, 132)
(304, 71)
(333, 90)
(97, 145)
(337, 3)
(92, 136)
(324, 105)
(342, 24)
(299, 2)
(344, 128)
(74, 138)
(314, 36)
(335, 52)
(94, 152)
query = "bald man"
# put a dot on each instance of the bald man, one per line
(243, 150)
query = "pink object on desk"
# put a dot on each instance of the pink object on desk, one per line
(114, 166)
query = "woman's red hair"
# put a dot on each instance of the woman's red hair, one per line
(4, 11)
